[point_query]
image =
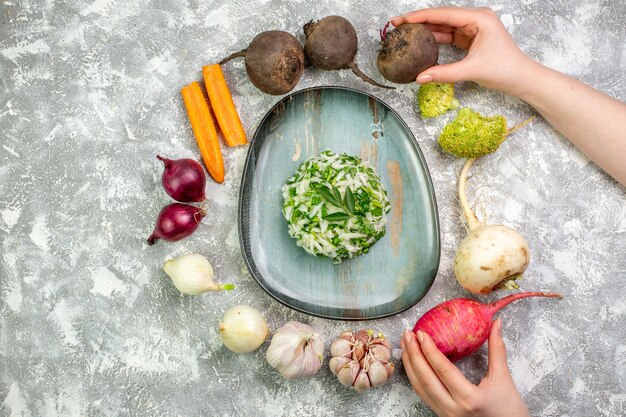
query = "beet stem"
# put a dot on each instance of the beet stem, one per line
(470, 216)
(241, 53)
(357, 71)
(383, 32)
(497, 305)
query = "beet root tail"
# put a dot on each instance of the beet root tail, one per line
(241, 53)
(503, 302)
(357, 71)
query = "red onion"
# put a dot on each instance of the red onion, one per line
(183, 179)
(175, 222)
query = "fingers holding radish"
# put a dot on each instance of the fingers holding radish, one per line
(460, 326)
(449, 374)
(497, 351)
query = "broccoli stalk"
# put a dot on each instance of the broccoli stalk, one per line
(471, 135)
(434, 99)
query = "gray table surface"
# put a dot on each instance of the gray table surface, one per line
(90, 325)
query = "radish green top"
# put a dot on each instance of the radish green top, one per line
(335, 206)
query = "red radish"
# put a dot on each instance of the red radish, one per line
(460, 326)
(176, 221)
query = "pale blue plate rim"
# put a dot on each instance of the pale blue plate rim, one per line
(245, 248)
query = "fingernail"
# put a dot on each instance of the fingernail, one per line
(407, 337)
(420, 336)
(499, 325)
(423, 79)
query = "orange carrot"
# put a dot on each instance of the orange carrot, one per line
(223, 106)
(204, 130)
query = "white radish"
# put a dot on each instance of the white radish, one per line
(491, 256)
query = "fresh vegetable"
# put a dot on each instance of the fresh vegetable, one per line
(460, 326)
(274, 61)
(296, 351)
(335, 206)
(406, 51)
(193, 274)
(331, 44)
(204, 130)
(183, 179)
(361, 360)
(223, 105)
(434, 99)
(176, 221)
(243, 329)
(491, 256)
(471, 134)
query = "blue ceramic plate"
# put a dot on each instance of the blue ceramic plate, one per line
(400, 268)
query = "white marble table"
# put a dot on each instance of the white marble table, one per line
(90, 325)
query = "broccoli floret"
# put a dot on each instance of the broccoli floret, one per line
(434, 99)
(471, 135)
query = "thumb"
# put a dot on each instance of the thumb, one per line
(497, 351)
(444, 73)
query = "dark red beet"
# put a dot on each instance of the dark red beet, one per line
(406, 51)
(274, 61)
(331, 44)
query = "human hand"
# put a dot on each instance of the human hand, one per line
(442, 386)
(493, 58)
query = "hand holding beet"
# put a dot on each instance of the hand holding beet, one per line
(444, 388)
(493, 59)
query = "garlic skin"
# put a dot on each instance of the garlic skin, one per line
(192, 274)
(296, 351)
(361, 360)
(243, 329)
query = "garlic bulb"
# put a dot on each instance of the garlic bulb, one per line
(243, 329)
(296, 351)
(361, 360)
(193, 274)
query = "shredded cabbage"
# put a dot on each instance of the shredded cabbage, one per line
(335, 206)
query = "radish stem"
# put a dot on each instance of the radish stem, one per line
(503, 302)
(470, 216)
(520, 125)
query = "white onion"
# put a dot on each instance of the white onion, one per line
(243, 329)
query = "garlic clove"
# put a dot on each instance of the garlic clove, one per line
(380, 353)
(348, 335)
(336, 363)
(362, 382)
(363, 336)
(358, 350)
(381, 342)
(389, 367)
(348, 373)
(193, 274)
(377, 374)
(340, 347)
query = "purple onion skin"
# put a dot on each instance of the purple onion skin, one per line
(176, 221)
(183, 179)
